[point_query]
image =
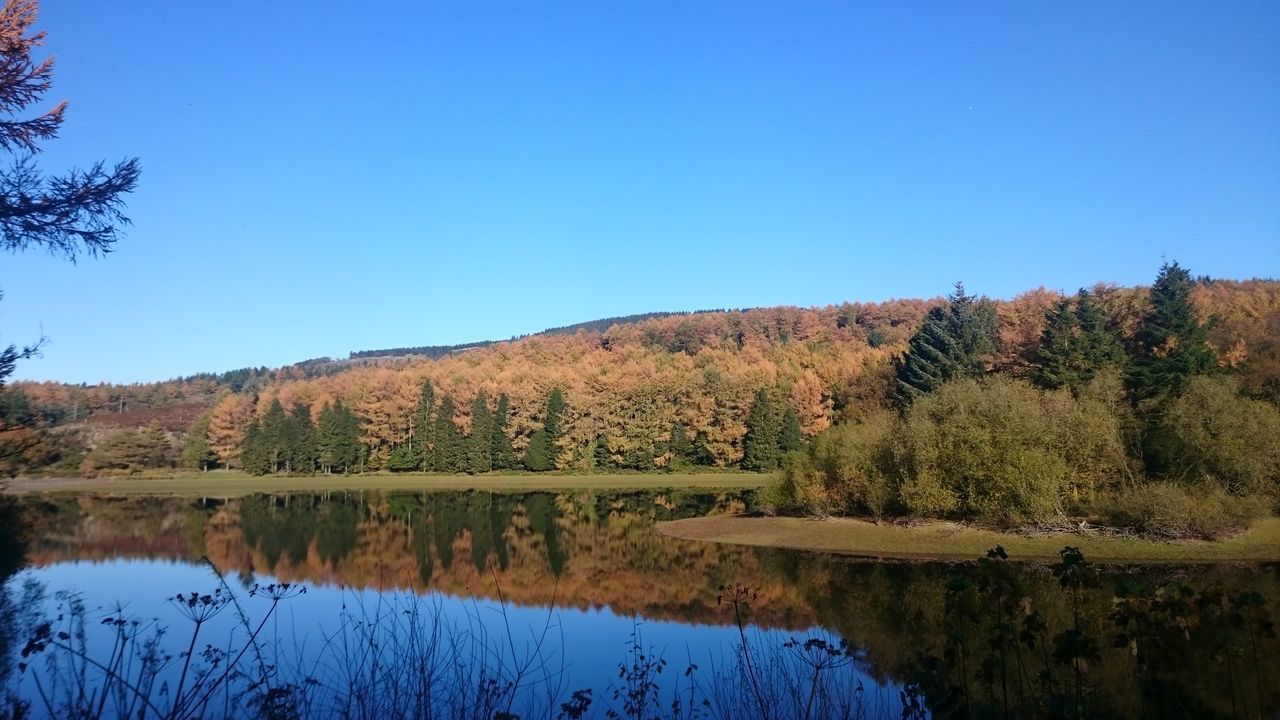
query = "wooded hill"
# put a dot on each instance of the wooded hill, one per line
(625, 388)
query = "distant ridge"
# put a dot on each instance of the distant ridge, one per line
(436, 352)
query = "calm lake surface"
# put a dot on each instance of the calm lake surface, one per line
(544, 594)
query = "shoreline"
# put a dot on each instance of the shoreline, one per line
(224, 484)
(950, 541)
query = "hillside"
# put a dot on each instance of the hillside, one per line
(627, 381)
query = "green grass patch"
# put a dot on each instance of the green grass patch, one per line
(950, 541)
(222, 483)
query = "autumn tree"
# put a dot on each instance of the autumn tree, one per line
(227, 426)
(77, 212)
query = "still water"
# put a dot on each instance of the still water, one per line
(573, 605)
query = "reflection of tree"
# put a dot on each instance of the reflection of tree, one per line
(12, 556)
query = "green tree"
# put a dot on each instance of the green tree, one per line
(601, 458)
(761, 448)
(275, 432)
(702, 453)
(952, 343)
(255, 456)
(480, 442)
(450, 451)
(196, 453)
(1075, 345)
(791, 438)
(402, 459)
(501, 450)
(679, 445)
(338, 438)
(544, 450)
(1103, 347)
(1171, 344)
(300, 440)
(423, 435)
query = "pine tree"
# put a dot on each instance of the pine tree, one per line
(402, 459)
(555, 416)
(449, 454)
(337, 438)
(480, 442)
(791, 439)
(702, 454)
(761, 450)
(952, 342)
(501, 450)
(601, 458)
(1103, 347)
(1172, 346)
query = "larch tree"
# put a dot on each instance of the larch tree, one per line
(68, 215)
(196, 453)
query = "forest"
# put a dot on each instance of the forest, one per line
(1105, 393)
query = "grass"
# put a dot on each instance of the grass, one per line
(948, 540)
(222, 483)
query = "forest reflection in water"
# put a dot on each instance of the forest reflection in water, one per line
(988, 638)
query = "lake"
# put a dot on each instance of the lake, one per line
(571, 604)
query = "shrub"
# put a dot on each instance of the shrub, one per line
(1176, 511)
(854, 464)
(1211, 433)
(1000, 450)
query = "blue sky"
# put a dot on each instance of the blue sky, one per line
(324, 177)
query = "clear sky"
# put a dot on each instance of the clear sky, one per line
(321, 177)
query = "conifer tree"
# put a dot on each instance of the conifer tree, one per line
(702, 454)
(1102, 346)
(678, 445)
(301, 440)
(196, 453)
(761, 449)
(501, 451)
(255, 457)
(952, 342)
(1171, 344)
(274, 434)
(449, 454)
(423, 435)
(543, 449)
(601, 458)
(338, 438)
(1060, 356)
(791, 438)
(480, 442)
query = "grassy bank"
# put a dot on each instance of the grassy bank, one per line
(234, 484)
(946, 541)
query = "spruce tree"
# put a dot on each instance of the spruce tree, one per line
(402, 459)
(761, 449)
(480, 442)
(255, 457)
(1060, 355)
(791, 438)
(600, 456)
(1102, 347)
(501, 450)
(544, 449)
(1171, 344)
(678, 445)
(702, 453)
(423, 436)
(327, 438)
(349, 451)
(449, 454)
(952, 342)
(275, 435)
(301, 436)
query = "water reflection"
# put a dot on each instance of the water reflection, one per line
(982, 639)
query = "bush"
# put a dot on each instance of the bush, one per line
(1212, 433)
(1002, 451)
(849, 469)
(1175, 511)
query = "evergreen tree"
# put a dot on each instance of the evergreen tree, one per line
(600, 456)
(702, 454)
(255, 457)
(301, 440)
(501, 450)
(1075, 345)
(196, 452)
(449, 454)
(480, 442)
(543, 449)
(951, 343)
(791, 438)
(337, 439)
(1172, 346)
(761, 449)
(402, 459)
(274, 435)
(678, 445)
(1060, 356)
(423, 435)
